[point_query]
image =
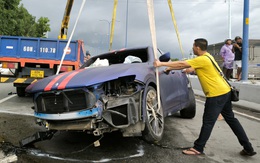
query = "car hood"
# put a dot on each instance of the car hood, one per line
(90, 76)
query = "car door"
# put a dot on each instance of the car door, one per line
(170, 89)
(183, 89)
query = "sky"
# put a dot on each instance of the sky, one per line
(195, 19)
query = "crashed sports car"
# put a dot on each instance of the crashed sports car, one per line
(113, 91)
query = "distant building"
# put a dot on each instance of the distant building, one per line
(253, 57)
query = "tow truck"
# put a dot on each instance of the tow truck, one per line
(30, 59)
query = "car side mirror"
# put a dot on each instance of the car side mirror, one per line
(165, 57)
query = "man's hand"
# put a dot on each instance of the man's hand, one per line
(236, 45)
(188, 70)
(157, 63)
(166, 71)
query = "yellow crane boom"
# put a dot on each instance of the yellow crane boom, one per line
(65, 20)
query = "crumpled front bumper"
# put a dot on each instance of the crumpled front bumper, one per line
(95, 112)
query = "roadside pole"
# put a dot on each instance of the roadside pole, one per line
(245, 48)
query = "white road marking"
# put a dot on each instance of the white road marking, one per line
(236, 112)
(16, 113)
(245, 115)
(7, 98)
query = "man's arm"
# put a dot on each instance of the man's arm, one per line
(175, 65)
(188, 70)
(237, 46)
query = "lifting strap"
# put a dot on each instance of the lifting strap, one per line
(68, 43)
(175, 26)
(113, 25)
(150, 7)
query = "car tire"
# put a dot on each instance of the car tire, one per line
(20, 91)
(154, 119)
(190, 110)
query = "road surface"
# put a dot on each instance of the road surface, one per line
(17, 122)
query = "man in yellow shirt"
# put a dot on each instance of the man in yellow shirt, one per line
(217, 93)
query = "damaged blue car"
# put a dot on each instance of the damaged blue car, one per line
(113, 91)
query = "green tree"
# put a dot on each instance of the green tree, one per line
(15, 20)
(42, 26)
(174, 59)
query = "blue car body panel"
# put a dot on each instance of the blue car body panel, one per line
(91, 76)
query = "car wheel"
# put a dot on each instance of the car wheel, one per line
(190, 110)
(20, 91)
(154, 119)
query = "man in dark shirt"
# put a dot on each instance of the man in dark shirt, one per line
(237, 49)
(87, 56)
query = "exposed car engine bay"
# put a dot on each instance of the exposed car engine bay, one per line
(96, 109)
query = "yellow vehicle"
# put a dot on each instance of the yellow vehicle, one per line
(65, 20)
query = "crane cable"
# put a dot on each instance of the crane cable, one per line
(177, 33)
(113, 25)
(150, 8)
(68, 43)
(175, 26)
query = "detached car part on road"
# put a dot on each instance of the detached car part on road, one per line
(113, 91)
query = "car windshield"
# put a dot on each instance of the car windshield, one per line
(118, 57)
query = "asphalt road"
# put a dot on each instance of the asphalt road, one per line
(17, 122)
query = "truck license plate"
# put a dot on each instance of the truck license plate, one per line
(37, 74)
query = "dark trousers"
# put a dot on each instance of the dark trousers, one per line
(213, 107)
(227, 72)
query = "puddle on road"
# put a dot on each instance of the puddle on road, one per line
(9, 149)
(140, 153)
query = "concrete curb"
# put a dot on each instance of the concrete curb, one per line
(249, 93)
(241, 103)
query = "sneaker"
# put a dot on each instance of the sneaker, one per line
(245, 153)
